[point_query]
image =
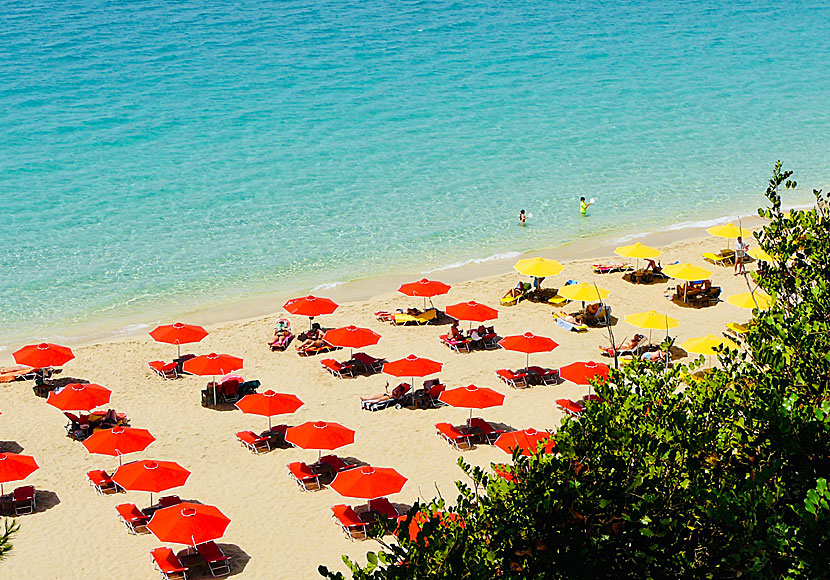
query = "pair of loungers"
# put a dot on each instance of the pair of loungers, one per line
(611, 267)
(529, 376)
(208, 557)
(360, 363)
(171, 370)
(576, 408)
(356, 521)
(228, 391)
(402, 396)
(316, 476)
(696, 294)
(80, 427)
(487, 341)
(464, 437)
(19, 502)
(265, 441)
(401, 318)
(135, 519)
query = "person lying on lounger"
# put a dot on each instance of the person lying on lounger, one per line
(575, 319)
(655, 355)
(516, 292)
(653, 266)
(282, 334)
(313, 338)
(396, 393)
(477, 336)
(624, 348)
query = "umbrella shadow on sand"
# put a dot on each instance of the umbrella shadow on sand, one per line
(239, 558)
(50, 385)
(45, 500)
(10, 447)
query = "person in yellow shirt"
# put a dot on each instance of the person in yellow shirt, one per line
(583, 206)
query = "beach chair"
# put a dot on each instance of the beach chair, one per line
(163, 369)
(303, 476)
(253, 442)
(559, 318)
(425, 317)
(454, 436)
(337, 464)
(249, 388)
(544, 376)
(217, 562)
(23, 500)
(102, 482)
(180, 363)
(169, 500)
(426, 397)
(337, 369)
(736, 329)
(601, 318)
(397, 399)
(511, 379)
(315, 350)
(276, 436)
(349, 522)
(168, 564)
(134, 519)
(454, 344)
(384, 507)
(489, 434)
(77, 429)
(368, 363)
(718, 259)
(609, 268)
(490, 339)
(573, 408)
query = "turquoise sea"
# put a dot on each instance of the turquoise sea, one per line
(156, 157)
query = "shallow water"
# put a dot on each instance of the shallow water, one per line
(160, 157)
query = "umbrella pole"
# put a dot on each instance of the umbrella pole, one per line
(310, 322)
(214, 389)
(527, 361)
(269, 423)
(178, 349)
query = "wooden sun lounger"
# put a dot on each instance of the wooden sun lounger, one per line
(103, 484)
(304, 477)
(168, 564)
(454, 436)
(425, 317)
(134, 519)
(218, 563)
(252, 442)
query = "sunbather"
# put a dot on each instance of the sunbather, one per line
(653, 266)
(575, 319)
(396, 393)
(477, 336)
(282, 334)
(596, 312)
(455, 332)
(655, 355)
(312, 339)
(624, 348)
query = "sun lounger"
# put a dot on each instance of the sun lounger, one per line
(560, 320)
(736, 329)
(542, 376)
(609, 268)
(303, 476)
(558, 300)
(368, 363)
(573, 408)
(23, 500)
(397, 398)
(515, 380)
(168, 564)
(426, 397)
(425, 317)
(336, 463)
(454, 436)
(218, 563)
(253, 442)
(180, 363)
(103, 483)
(16, 373)
(349, 522)
(454, 344)
(384, 507)
(315, 350)
(489, 434)
(719, 259)
(337, 369)
(601, 318)
(134, 519)
(169, 500)
(163, 369)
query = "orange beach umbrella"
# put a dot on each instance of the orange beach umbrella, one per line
(351, 337)
(526, 440)
(269, 404)
(368, 482)
(528, 343)
(581, 373)
(310, 306)
(472, 397)
(118, 441)
(14, 467)
(319, 435)
(412, 366)
(425, 288)
(79, 397)
(472, 311)
(179, 333)
(152, 476)
(43, 355)
(211, 365)
(188, 523)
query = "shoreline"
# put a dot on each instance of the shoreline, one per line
(367, 288)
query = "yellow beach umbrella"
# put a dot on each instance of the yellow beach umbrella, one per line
(651, 320)
(538, 267)
(706, 344)
(760, 254)
(687, 272)
(750, 300)
(638, 251)
(584, 292)
(729, 231)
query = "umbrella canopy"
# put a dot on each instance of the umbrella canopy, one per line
(14, 467)
(178, 333)
(212, 364)
(638, 251)
(425, 288)
(750, 300)
(528, 343)
(412, 366)
(581, 373)
(43, 355)
(368, 482)
(760, 254)
(538, 267)
(472, 311)
(352, 337)
(149, 475)
(421, 518)
(188, 523)
(651, 320)
(118, 441)
(310, 306)
(687, 272)
(472, 397)
(269, 404)
(584, 292)
(527, 441)
(729, 231)
(319, 435)
(706, 344)
(79, 397)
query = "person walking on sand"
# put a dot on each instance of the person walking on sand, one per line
(583, 206)
(740, 251)
(522, 217)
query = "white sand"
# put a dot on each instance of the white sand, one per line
(276, 530)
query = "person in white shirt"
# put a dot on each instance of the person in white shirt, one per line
(740, 251)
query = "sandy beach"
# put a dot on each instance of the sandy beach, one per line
(277, 531)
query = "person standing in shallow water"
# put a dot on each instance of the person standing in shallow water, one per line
(583, 206)
(522, 218)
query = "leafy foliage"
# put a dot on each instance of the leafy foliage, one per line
(679, 474)
(10, 528)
